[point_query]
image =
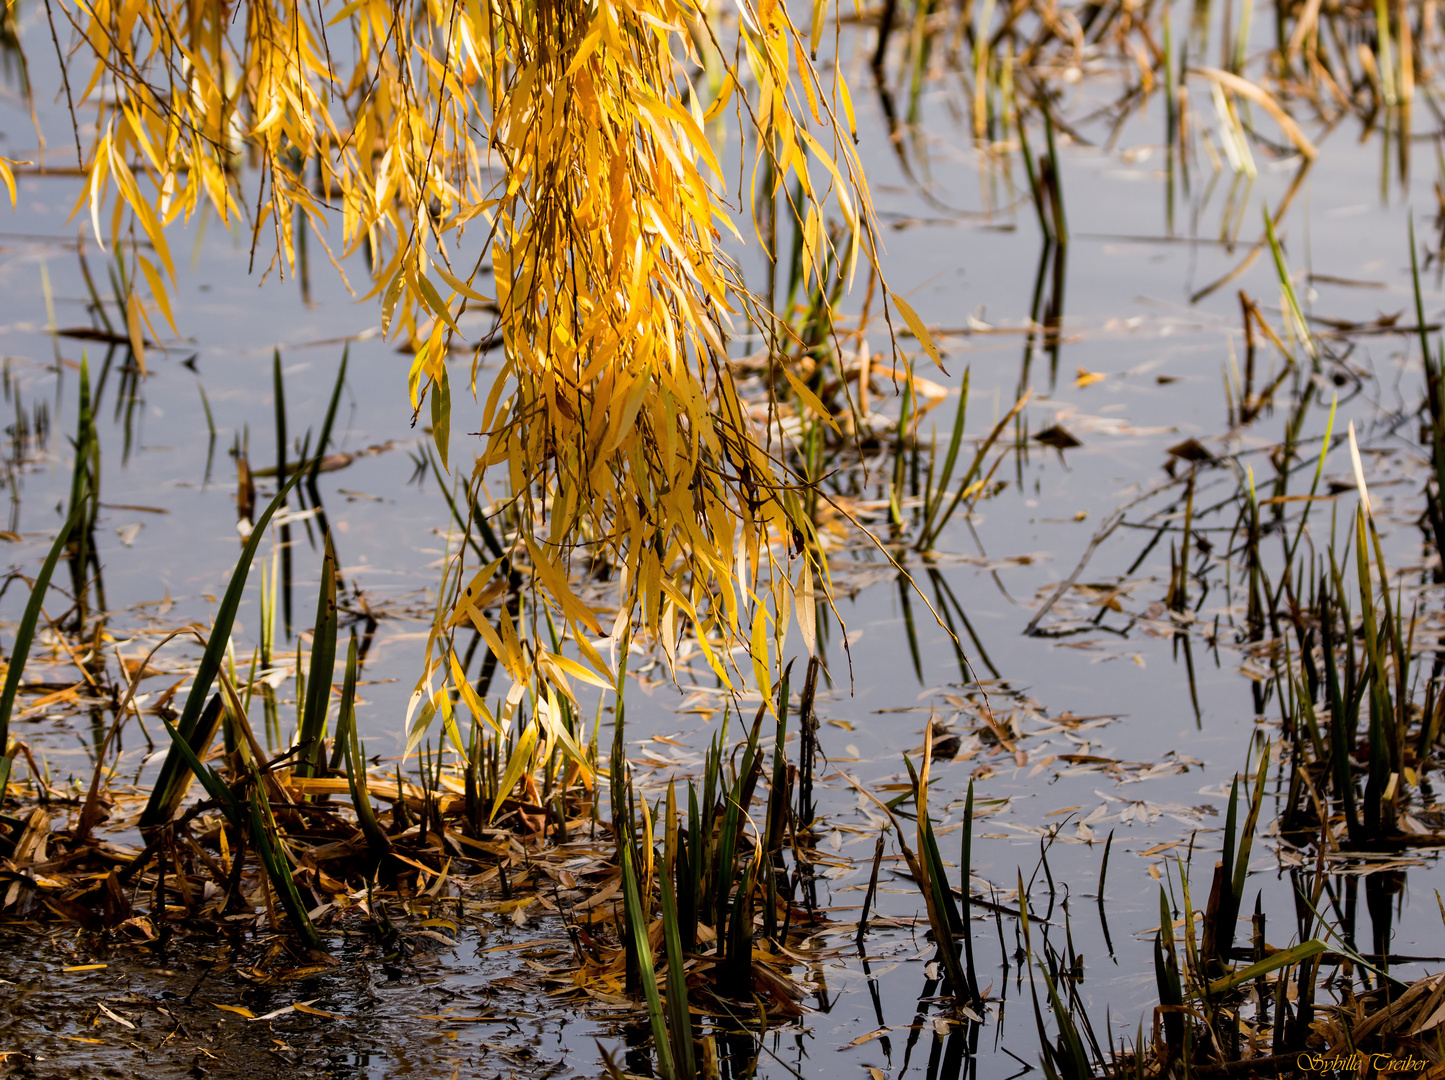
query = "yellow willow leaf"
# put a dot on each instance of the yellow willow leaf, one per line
(556, 584)
(158, 290)
(239, 1010)
(592, 656)
(478, 594)
(557, 733)
(805, 76)
(348, 11)
(812, 228)
(720, 102)
(840, 189)
(141, 207)
(432, 299)
(8, 176)
(806, 608)
(783, 608)
(441, 415)
(712, 659)
(840, 84)
(919, 330)
(520, 762)
(820, 12)
(588, 46)
(97, 182)
(460, 286)
(389, 300)
(668, 633)
(629, 413)
(695, 135)
(494, 642)
(577, 671)
(761, 668)
(138, 132)
(442, 703)
(474, 704)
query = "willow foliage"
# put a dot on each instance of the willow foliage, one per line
(547, 163)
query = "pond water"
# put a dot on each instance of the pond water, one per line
(1157, 722)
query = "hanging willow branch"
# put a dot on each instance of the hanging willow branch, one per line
(548, 162)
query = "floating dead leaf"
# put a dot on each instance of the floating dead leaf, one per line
(305, 1007)
(273, 1014)
(239, 1010)
(86, 967)
(1087, 378)
(1192, 451)
(1057, 437)
(121, 1020)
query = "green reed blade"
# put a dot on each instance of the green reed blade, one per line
(943, 915)
(377, 841)
(1292, 304)
(637, 923)
(937, 491)
(323, 663)
(278, 389)
(777, 820)
(216, 645)
(741, 795)
(965, 869)
(265, 837)
(1246, 835)
(678, 1016)
(210, 779)
(1284, 958)
(325, 439)
(174, 778)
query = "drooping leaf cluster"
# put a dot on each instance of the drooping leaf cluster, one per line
(545, 177)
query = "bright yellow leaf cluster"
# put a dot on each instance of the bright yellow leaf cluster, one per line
(558, 155)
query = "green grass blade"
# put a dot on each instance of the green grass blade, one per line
(220, 637)
(1283, 958)
(211, 780)
(266, 838)
(637, 923)
(377, 841)
(323, 664)
(326, 424)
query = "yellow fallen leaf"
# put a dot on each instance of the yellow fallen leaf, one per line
(239, 1010)
(305, 1007)
(86, 967)
(1087, 378)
